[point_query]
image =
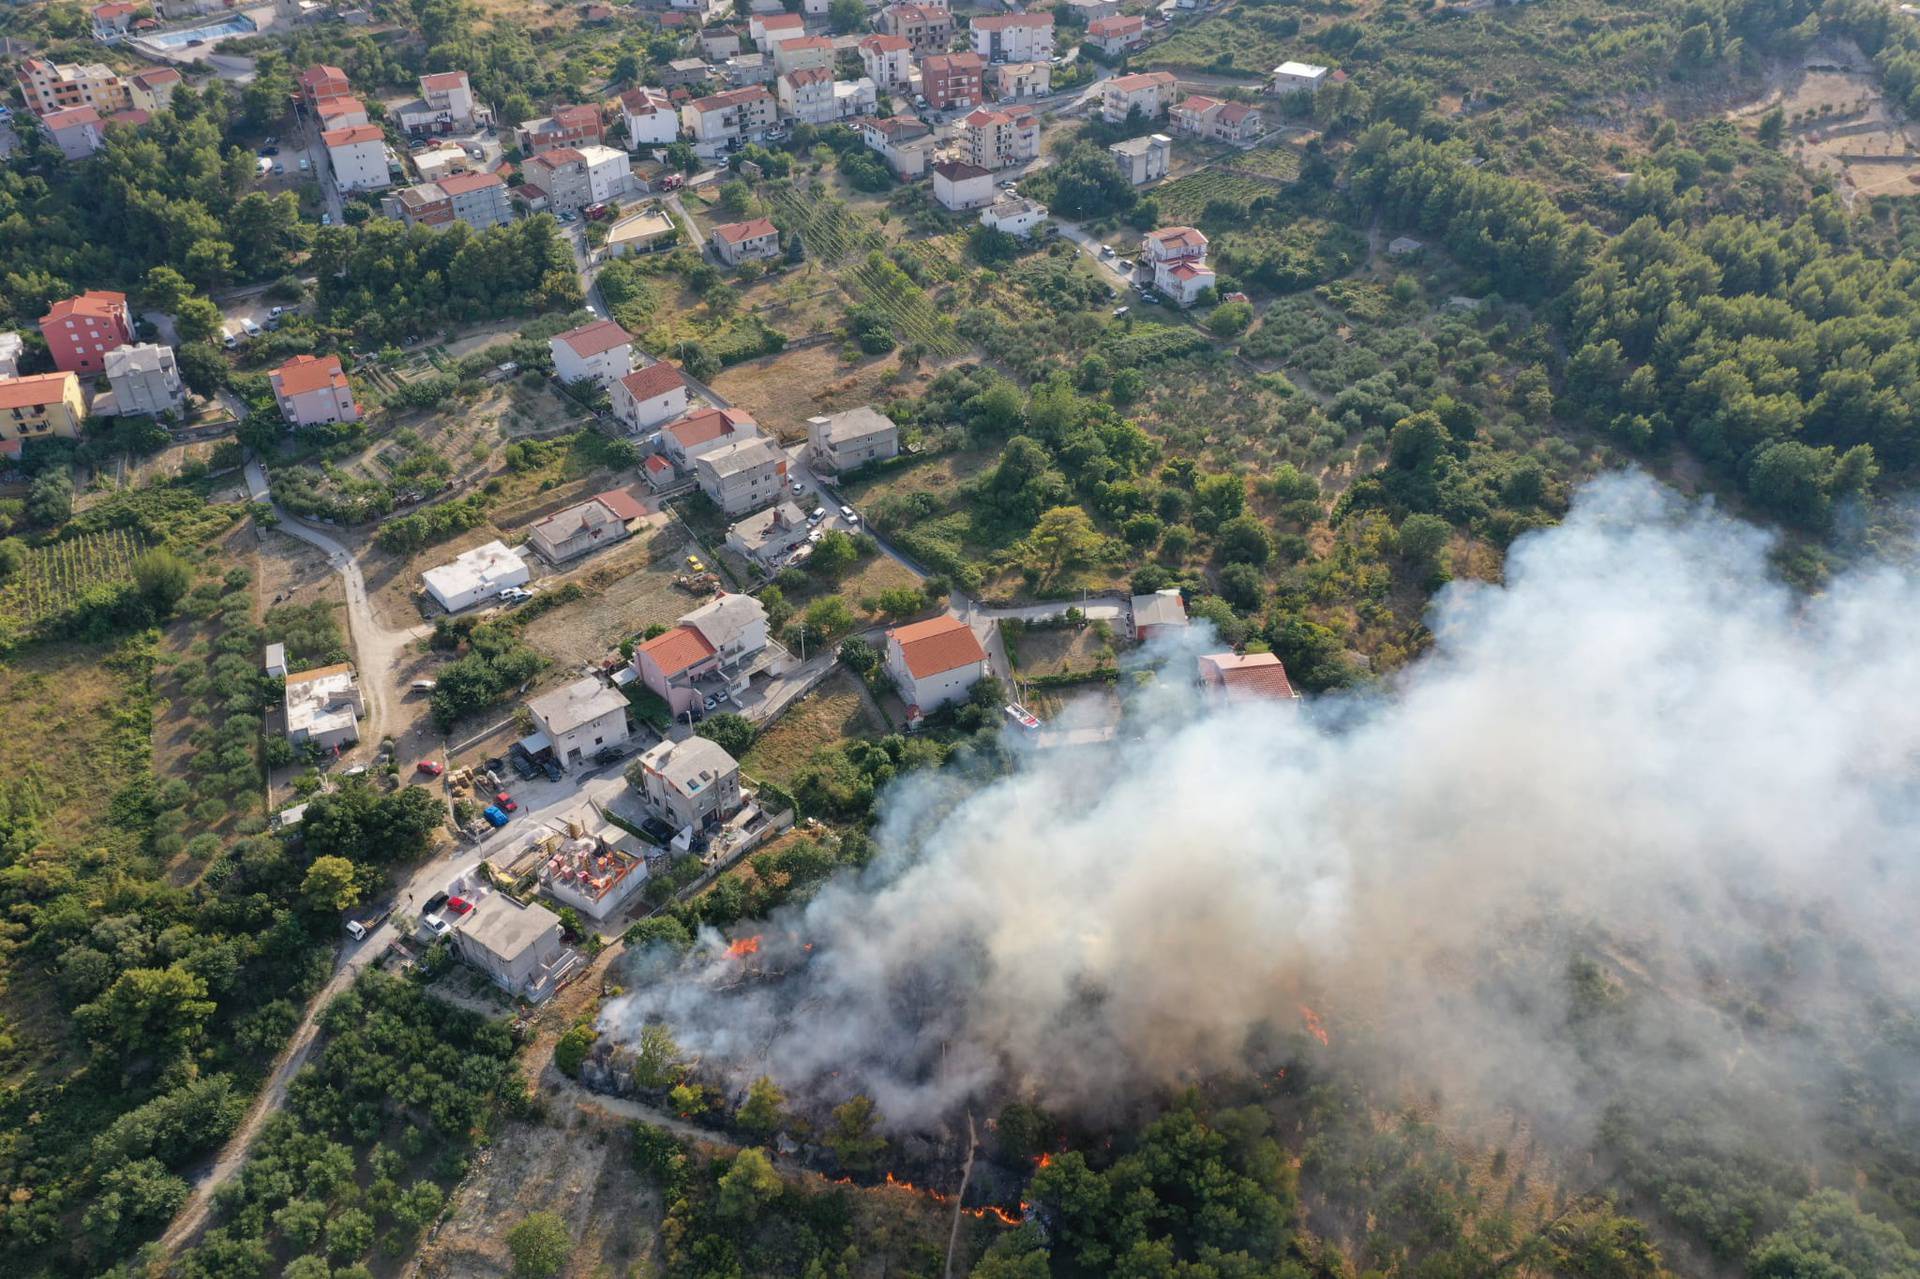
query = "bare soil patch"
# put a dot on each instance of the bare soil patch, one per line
(833, 713)
(627, 590)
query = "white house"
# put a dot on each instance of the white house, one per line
(475, 575)
(839, 442)
(648, 397)
(743, 476)
(696, 433)
(1297, 77)
(888, 61)
(960, 187)
(1151, 92)
(606, 519)
(609, 173)
(934, 662)
(323, 706)
(145, 379)
(580, 718)
(602, 351)
(690, 783)
(728, 119)
(806, 94)
(1014, 214)
(903, 141)
(650, 118)
(1013, 37)
(802, 52)
(1178, 258)
(358, 155)
(1143, 159)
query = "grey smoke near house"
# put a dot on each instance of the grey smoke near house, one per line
(1642, 746)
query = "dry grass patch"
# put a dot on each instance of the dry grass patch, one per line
(626, 591)
(834, 713)
(1064, 651)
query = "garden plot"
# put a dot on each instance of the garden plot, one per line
(55, 578)
(1839, 124)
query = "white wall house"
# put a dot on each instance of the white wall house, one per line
(934, 662)
(602, 351)
(475, 576)
(650, 118)
(650, 397)
(358, 155)
(580, 718)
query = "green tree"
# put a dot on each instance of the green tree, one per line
(1422, 538)
(50, 497)
(656, 1061)
(1827, 1236)
(1062, 538)
(331, 885)
(852, 1137)
(733, 733)
(833, 555)
(1230, 319)
(349, 1234)
(844, 16)
(572, 1048)
(419, 1204)
(1244, 540)
(748, 1186)
(540, 1246)
(761, 1111)
(827, 618)
(162, 578)
(147, 1010)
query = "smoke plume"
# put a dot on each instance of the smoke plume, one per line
(1642, 746)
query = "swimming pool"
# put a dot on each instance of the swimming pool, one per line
(239, 25)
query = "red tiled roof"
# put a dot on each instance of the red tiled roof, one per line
(131, 116)
(352, 134)
(33, 390)
(957, 171)
(782, 22)
(94, 304)
(708, 424)
(809, 75)
(555, 158)
(675, 650)
(304, 373)
(948, 63)
(655, 379)
(1255, 675)
(345, 104)
(886, 44)
(1140, 80)
(1007, 21)
(657, 463)
(590, 340)
(731, 98)
(807, 42)
(1197, 102)
(441, 80)
(736, 232)
(70, 118)
(623, 504)
(1235, 112)
(1179, 239)
(461, 183)
(1116, 26)
(576, 117)
(1188, 270)
(156, 75)
(936, 646)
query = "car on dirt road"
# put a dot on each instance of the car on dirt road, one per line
(432, 767)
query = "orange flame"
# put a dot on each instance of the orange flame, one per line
(992, 1212)
(745, 946)
(1046, 1160)
(1314, 1027)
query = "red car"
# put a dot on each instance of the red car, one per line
(432, 767)
(458, 905)
(506, 802)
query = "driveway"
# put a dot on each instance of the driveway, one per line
(1109, 266)
(377, 650)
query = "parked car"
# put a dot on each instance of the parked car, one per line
(495, 817)
(425, 685)
(817, 514)
(436, 925)
(846, 513)
(305, 164)
(326, 219)
(713, 704)
(358, 770)
(269, 150)
(432, 767)
(525, 766)
(515, 594)
(434, 903)
(795, 486)
(252, 328)
(608, 755)
(694, 562)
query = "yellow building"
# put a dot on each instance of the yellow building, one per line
(42, 406)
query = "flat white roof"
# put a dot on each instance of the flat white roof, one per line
(484, 567)
(1304, 70)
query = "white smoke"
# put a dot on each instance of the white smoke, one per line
(1642, 741)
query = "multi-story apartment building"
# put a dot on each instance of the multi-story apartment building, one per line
(803, 53)
(1000, 139)
(650, 118)
(152, 89)
(650, 397)
(742, 477)
(478, 199)
(1007, 81)
(77, 131)
(81, 330)
(1116, 35)
(320, 82)
(358, 155)
(926, 28)
(600, 352)
(609, 173)
(903, 141)
(145, 379)
(1221, 121)
(56, 86)
(445, 104)
(566, 127)
(38, 407)
(342, 111)
(312, 390)
(1013, 37)
(730, 118)
(806, 95)
(556, 181)
(953, 81)
(1150, 91)
(888, 61)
